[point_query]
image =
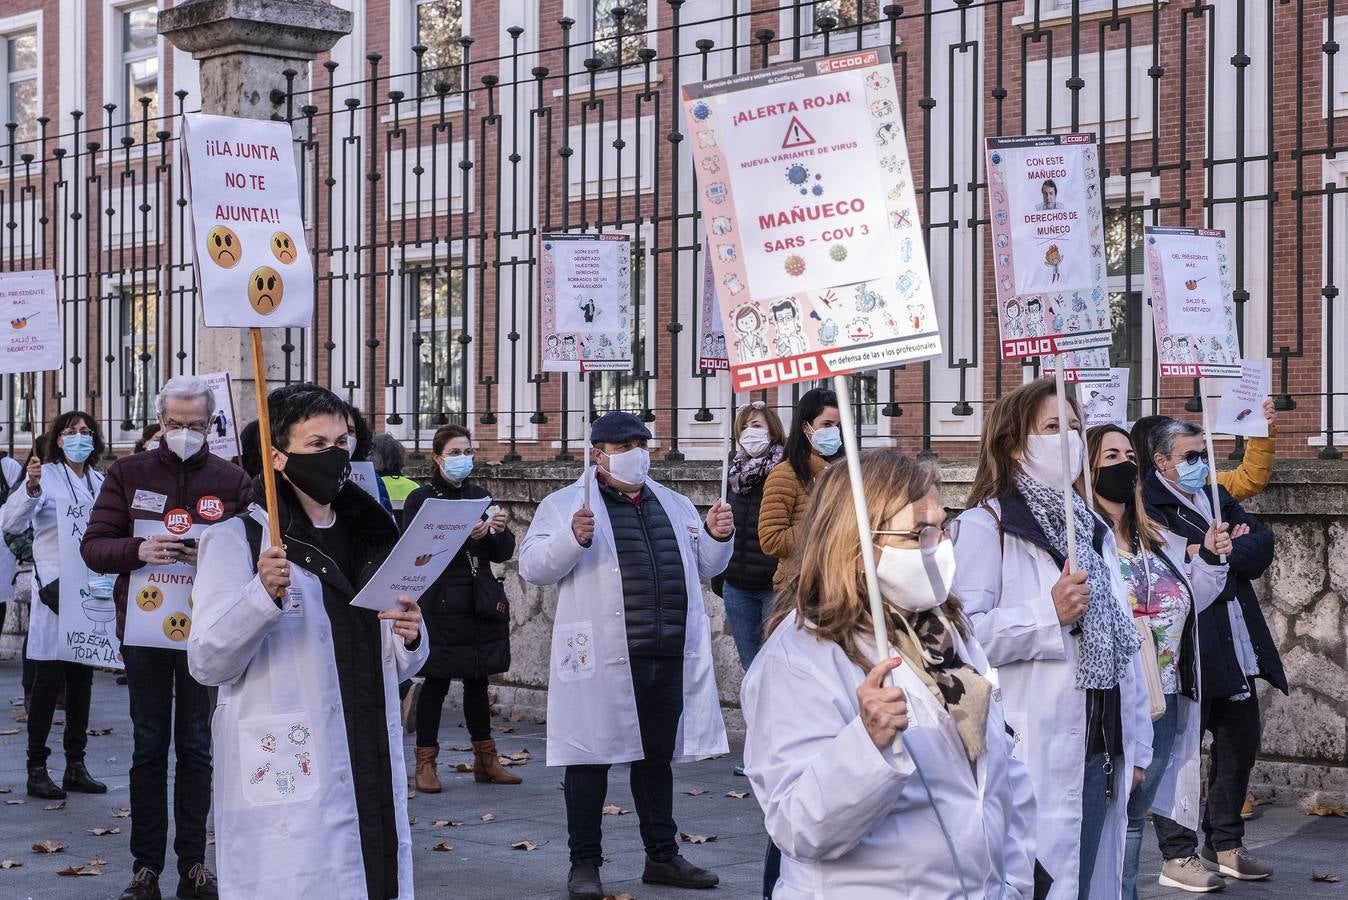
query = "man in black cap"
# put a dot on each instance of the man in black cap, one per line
(631, 645)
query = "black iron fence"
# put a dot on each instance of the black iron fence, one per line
(427, 180)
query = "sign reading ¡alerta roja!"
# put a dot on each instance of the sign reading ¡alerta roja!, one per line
(252, 262)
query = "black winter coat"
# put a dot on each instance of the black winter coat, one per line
(462, 644)
(750, 568)
(1250, 556)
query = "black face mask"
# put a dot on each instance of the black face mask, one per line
(320, 476)
(1116, 483)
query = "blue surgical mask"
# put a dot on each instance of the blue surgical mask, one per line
(827, 440)
(457, 468)
(1192, 476)
(77, 447)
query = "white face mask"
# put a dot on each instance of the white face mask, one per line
(1042, 458)
(755, 441)
(915, 580)
(629, 466)
(184, 442)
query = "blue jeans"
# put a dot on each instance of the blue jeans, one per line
(1162, 746)
(747, 611)
(1094, 808)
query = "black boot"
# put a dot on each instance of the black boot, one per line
(78, 779)
(40, 784)
(678, 872)
(584, 883)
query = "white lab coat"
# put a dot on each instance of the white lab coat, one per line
(15, 476)
(1177, 798)
(855, 822)
(276, 671)
(592, 709)
(59, 484)
(1005, 585)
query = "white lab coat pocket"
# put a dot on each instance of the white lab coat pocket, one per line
(575, 653)
(280, 761)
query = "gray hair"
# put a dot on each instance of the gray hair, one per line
(387, 454)
(1164, 435)
(186, 387)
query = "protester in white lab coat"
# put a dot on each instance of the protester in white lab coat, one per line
(1169, 583)
(1063, 642)
(310, 780)
(631, 678)
(948, 812)
(11, 480)
(73, 445)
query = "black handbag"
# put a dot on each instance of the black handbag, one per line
(490, 603)
(50, 595)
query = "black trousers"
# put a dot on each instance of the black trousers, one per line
(49, 675)
(431, 702)
(168, 703)
(658, 685)
(1235, 728)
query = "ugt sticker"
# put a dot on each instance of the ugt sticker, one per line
(211, 508)
(178, 521)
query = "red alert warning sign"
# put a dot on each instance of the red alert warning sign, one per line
(797, 135)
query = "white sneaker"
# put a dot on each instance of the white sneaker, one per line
(1190, 875)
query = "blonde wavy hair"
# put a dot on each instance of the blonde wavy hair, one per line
(828, 589)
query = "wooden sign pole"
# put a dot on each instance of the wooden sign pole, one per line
(264, 439)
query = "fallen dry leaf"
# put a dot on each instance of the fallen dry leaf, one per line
(48, 847)
(445, 823)
(612, 810)
(461, 749)
(696, 838)
(89, 869)
(6, 790)
(412, 820)
(489, 817)
(100, 831)
(14, 802)
(695, 792)
(623, 896)
(100, 732)
(9, 863)
(737, 795)
(522, 756)
(526, 846)
(506, 730)
(467, 767)
(1325, 877)
(1328, 811)
(52, 807)
(443, 846)
(9, 731)
(123, 812)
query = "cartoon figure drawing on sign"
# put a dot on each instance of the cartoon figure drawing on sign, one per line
(1048, 190)
(569, 347)
(1053, 259)
(1034, 317)
(589, 309)
(786, 316)
(1014, 327)
(554, 345)
(748, 322)
(1168, 347)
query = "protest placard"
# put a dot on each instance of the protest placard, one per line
(32, 340)
(711, 345)
(587, 296)
(817, 252)
(252, 260)
(223, 438)
(1105, 402)
(86, 622)
(1048, 247)
(1194, 311)
(159, 598)
(362, 474)
(426, 548)
(1241, 408)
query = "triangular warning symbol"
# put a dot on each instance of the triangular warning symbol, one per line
(797, 135)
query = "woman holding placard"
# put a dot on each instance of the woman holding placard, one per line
(815, 440)
(1169, 582)
(1235, 645)
(67, 477)
(467, 617)
(847, 805)
(1061, 637)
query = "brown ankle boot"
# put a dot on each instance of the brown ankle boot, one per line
(487, 768)
(427, 781)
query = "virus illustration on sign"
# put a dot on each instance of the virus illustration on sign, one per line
(837, 253)
(701, 112)
(794, 265)
(799, 177)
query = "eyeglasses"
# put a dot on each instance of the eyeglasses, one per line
(198, 427)
(455, 451)
(71, 432)
(928, 537)
(1192, 457)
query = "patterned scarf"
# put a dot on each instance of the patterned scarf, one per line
(746, 472)
(924, 641)
(1108, 639)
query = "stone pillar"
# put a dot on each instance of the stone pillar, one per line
(244, 48)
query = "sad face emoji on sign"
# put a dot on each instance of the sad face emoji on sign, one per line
(177, 625)
(222, 246)
(149, 598)
(283, 248)
(264, 290)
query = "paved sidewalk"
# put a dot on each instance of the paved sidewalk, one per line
(481, 863)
